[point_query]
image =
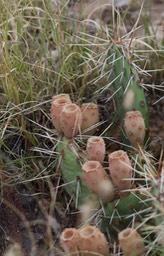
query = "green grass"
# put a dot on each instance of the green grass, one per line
(44, 52)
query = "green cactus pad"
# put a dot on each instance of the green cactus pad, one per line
(70, 165)
(125, 83)
(121, 213)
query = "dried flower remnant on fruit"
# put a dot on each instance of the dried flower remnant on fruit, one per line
(92, 241)
(97, 180)
(58, 102)
(90, 117)
(120, 169)
(129, 99)
(95, 149)
(134, 127)
(131, 243)
(71, 119)
(106, 190)
(61, 96)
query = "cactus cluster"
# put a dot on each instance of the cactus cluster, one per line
(92, 184)
(111, 189)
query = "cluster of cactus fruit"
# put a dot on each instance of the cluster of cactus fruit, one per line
(110, 190)
(69, 119)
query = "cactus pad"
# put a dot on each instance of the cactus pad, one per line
(124, 79)
(120, 213)
(70, 165)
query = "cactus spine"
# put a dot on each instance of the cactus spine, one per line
(120, 213)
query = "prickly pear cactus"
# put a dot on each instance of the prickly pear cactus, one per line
(121, 212)
(124, 79)
(70, 165)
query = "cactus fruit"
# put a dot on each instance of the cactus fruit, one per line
(95, 149)
(97, 180)
(120, 169)
(85, 241)
(68, 240)
(134, 127)
(71, 119)
(56, 108)
(92, 242)
(131, 242)
(90, 117)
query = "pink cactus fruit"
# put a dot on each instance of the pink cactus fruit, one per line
(120, 169)
(95, 149)
(134, 127)
(90, 115)
(92, 242)
(57, 105)
(69, 240)
(131, 243)
(71, 119)
(97, 180)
